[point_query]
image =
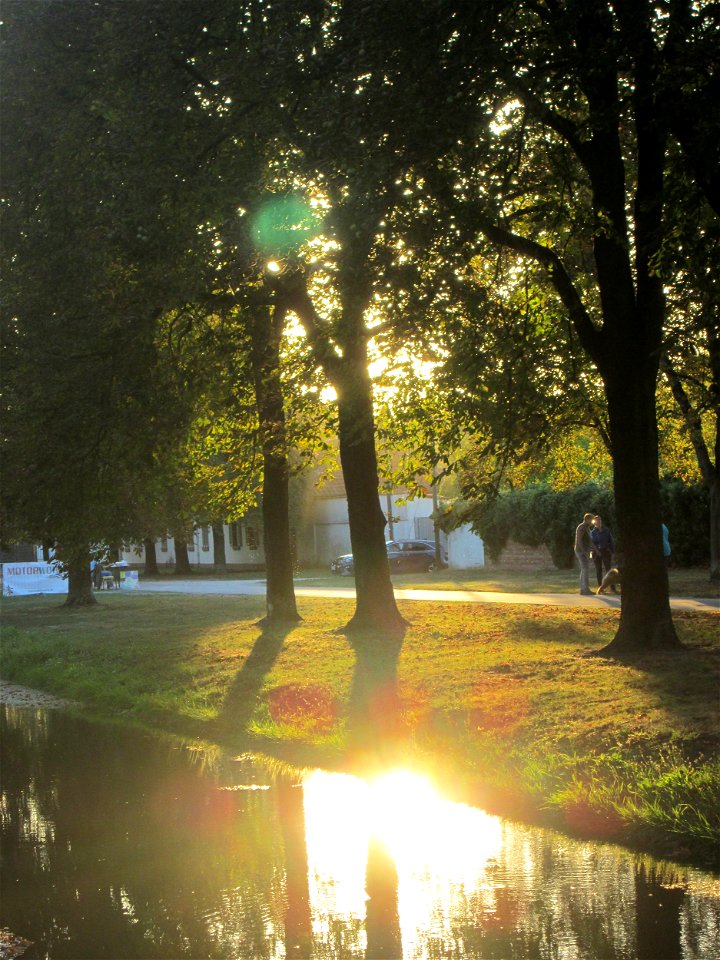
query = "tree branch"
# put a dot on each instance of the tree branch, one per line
(293, 296)
(563, 126)
(587, 332)
(691, 418)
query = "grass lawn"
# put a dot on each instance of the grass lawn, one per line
(501, 703)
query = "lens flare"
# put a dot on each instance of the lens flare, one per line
(283, 224)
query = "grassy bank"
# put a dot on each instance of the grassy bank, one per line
(502, 703)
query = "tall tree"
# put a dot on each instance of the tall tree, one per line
(353, 126)
(581, 90)
(556, 142)
(133, 113)
(320, 117)
(81, 411)
(266, 333)
(342, 350)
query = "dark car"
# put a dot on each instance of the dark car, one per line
(402, 555)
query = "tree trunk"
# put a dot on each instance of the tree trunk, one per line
(219, 558)
(151, 567)
(633, 306)
(80, 588)
(645, 619)
(375, 605)
(715, 527)
(280, 592)
(182, 560)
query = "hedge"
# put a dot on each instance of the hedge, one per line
(539, 515)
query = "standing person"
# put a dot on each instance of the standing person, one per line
(666, 544)
(583, 547)
(96, 573)
(603, 547)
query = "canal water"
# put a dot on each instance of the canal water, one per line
(120, 845)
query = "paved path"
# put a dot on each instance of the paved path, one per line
(303, 588)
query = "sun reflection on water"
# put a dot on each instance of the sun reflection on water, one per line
(440, 851)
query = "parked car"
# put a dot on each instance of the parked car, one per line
(402, 555)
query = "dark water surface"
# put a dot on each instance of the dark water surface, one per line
(124, 846)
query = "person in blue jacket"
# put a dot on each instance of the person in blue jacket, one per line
(666, 544)
(603, 548)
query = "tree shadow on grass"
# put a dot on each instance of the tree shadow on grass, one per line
(537, 627)
(242, 696)
(685, 682)
(699, 651)
(376, 731)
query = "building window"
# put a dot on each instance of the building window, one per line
(205, 538)
(236, 537)
(252, 538)
(163, 544)
(191, 544)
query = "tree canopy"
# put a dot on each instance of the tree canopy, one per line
(479, 201)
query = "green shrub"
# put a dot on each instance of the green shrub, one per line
(539, 515)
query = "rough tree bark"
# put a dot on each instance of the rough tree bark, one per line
(645, 619)
(375, 605)
(151, 566)
(80, 589)
(182, 560)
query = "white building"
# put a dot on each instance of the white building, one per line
(243, 547)
(323, 533)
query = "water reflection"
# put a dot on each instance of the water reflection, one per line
(116, 845)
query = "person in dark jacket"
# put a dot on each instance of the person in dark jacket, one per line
(603, 547)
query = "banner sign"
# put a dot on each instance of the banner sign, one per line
(23, 579)
(129, 580)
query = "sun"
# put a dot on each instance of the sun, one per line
(438, 849)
